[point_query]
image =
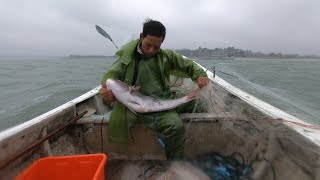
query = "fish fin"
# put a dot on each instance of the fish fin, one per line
(192, 95)
(133, 88)
(136, 88)
(132, 103)
(133, 111)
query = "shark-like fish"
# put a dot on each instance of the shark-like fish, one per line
(139, 103)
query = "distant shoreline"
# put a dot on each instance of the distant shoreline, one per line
(89, 56)
(291, 59)
(205, 57)
(231, 53)
(261, 58)
(219, 53)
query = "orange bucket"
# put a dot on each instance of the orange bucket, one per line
(80, 167)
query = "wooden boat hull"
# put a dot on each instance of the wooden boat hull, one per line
(206, 132)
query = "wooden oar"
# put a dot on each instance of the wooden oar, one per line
(105, 34)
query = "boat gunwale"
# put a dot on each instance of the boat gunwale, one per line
(20, 127)
(266, 108)
(260, 105)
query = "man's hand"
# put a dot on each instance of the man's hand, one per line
(106, 94)
(202, 81)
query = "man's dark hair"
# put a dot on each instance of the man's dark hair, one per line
(154, 28)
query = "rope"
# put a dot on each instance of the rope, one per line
(296, 123)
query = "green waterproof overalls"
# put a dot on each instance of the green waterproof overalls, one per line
(153, 79)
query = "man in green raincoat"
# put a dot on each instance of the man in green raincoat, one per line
(142, 63)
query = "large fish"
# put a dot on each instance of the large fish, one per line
(137, 102)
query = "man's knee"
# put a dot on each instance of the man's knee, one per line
(178, 127)
(174, 124)
(173, 132)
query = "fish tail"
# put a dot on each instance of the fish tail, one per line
(192, 95)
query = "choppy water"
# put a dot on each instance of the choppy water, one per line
(30, 87)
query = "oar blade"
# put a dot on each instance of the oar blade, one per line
(102, 32)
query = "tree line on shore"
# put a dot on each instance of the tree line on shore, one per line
(229, 52)
(234, 52)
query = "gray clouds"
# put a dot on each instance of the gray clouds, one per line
(58, 28)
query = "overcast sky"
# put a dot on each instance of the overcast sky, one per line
(63, 27)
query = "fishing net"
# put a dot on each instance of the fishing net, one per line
(270, 146)
(226, 138)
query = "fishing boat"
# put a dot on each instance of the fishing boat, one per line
(274, 143)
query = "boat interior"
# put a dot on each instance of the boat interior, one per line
(271, 147)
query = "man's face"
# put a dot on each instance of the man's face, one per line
(150, 45)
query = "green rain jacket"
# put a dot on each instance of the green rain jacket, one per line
(166, 63)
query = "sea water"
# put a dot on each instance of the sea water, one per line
(32, 86)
